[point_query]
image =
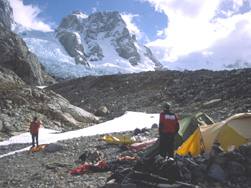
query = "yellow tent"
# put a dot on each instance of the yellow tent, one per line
(192, 145)
(236, 130)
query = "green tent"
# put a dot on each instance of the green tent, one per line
(187, 127)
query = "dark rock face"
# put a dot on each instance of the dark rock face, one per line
(6, 14)
(218, 94)
(16, 56)
(20, 103)
(70, 42)
(8, 76)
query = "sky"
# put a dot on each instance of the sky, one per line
(175, 30)
(128, 122)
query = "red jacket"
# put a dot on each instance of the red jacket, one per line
(169, 122)
(34, 126)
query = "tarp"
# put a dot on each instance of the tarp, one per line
(124, 139)
(137, 146)
(188, 126)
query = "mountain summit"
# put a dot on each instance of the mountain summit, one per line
(98, 44)
(98, 37)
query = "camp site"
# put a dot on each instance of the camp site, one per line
(207, 153)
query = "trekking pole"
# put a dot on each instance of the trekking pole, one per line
(178, 182)
(126, 177)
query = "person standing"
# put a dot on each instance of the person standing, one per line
(168, 128)
(34, 129)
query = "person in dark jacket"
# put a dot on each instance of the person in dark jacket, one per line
(34, 129)
(168, 128)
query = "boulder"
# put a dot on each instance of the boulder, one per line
(216, 170)
(7, 127)
(53, 148)
(235, 169)
(102, 111)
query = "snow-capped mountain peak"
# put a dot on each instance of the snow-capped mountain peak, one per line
(82, 45)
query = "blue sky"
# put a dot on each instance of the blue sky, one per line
(140, 12)
(175, 30)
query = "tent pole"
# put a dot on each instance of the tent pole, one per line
(179, 182)
(201, 139)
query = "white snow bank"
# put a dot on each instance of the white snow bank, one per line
(129, 121)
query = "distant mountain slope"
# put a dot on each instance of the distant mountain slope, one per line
(99, 44)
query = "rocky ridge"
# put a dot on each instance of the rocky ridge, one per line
(20, 103)
(218, 94)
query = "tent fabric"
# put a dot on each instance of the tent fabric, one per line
(235, 130)
(229, 136)
(192, 145)
(188, 126)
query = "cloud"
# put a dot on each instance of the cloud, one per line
(134, 30)
(94, 10)
(217, 27)
(26, 15)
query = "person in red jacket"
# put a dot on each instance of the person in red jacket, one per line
(168, 128)
(34, 129)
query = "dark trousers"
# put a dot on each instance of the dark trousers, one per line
(34, 137)
(166, 146)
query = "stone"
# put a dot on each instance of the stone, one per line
(102, 111)
(206, 156)
(220, 159)
(216, 169)
(235, 169)
(155, 125)
(53, 147)
(8, 127)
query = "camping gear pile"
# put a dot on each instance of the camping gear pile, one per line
(204, 157)
(208, 153)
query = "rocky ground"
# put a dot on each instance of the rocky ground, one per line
(82, 102)
(218, 94)
(32, 170)
(36, 169)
